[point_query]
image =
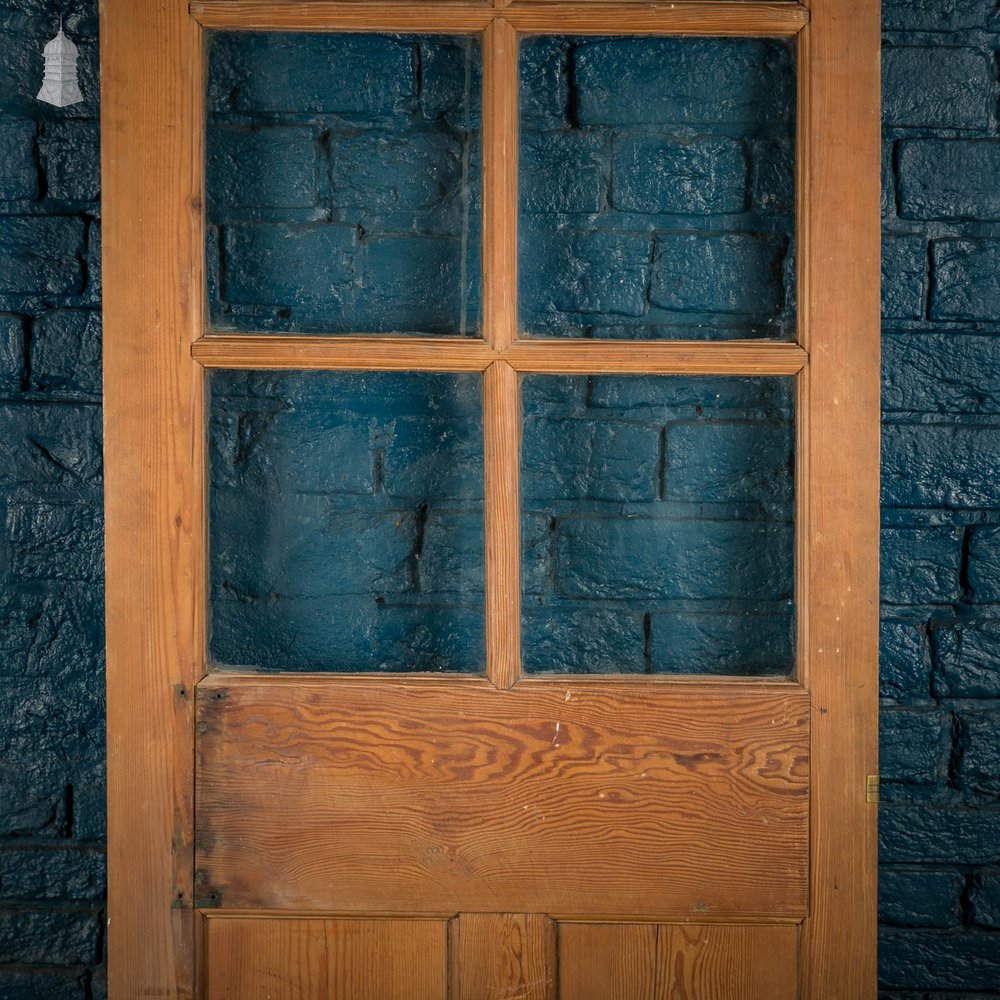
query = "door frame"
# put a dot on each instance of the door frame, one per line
(152, 80)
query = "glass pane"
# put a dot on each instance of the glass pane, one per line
(657, 188)
(346, 521)
(658, 524)
(343, 183)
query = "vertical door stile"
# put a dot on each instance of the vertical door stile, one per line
(839, 296)
(501, 388)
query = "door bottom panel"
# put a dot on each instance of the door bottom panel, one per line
(493, 956)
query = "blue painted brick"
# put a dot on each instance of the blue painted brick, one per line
(70, 157)
(729, 462)
(582, 272)
(968, 660)
(658, 558)
(904, 272)
(936, 86)
(940, 466)
(562, 640)
(940, 372)
(904, 662)
(934, 961)
(12, 330)
(698, 394)
(666, 174)
(52, 446)
(577, 459)
(440, 458)
(724, 80)
(919, 898)
(41, 254)
(921, 565)
(43, 984)
(986, 901)
(744, 644)
(452, 554)
(984, 565)
(451, 81)
(928, 833)
(253, 167)
(980, 762)
(773, 181)
(561, 172)
(33, 790)
(745, 273)
(936, 15)
(18, 170)
(31, 874)
(949, 179)
(544, 82)
(361, 75)
(66, 354)
(966, 280)
(49, 937)
(914, 746)
(56, 541)
(382, 171)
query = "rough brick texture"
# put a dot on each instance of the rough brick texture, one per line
(939, 825)
(52, 878)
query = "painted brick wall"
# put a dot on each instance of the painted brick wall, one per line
(940, 661)
(52, 871)
(940, 640)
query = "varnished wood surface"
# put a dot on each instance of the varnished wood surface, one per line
(250, 958)
(502, 513)
(153, 247)
(574, 800)
(701, 17)
(677, 962)
(838, 299)
(583, 356)
(503, 956)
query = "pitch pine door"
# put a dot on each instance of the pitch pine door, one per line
(509, 834)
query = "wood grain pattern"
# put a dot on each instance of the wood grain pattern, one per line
(360, 353)
(839, 293)
(502, 512)
(701, 17)
(325, 959)
(678, 962)
(151, 146)
(575, 800)
(504, 956)
(664, 357)
(261, 352)
(500, 206)
(607, 961)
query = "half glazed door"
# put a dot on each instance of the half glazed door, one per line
(531, 653)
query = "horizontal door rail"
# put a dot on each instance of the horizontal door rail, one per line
(601, 17)
(262, 352)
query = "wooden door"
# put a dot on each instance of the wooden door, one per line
(502, 836)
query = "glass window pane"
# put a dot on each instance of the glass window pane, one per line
(343, 183)
(658, 524)
(657, 188)
(346, 524)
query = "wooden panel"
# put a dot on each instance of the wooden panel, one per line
(503, 956)
(271, 353)
(702, 17)
(500, 207)
(712, 962)
(432, 796)
(261, 958)
(838, 297)
(607, 961)
(151, 145)
(664, 357)
(502, 462)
